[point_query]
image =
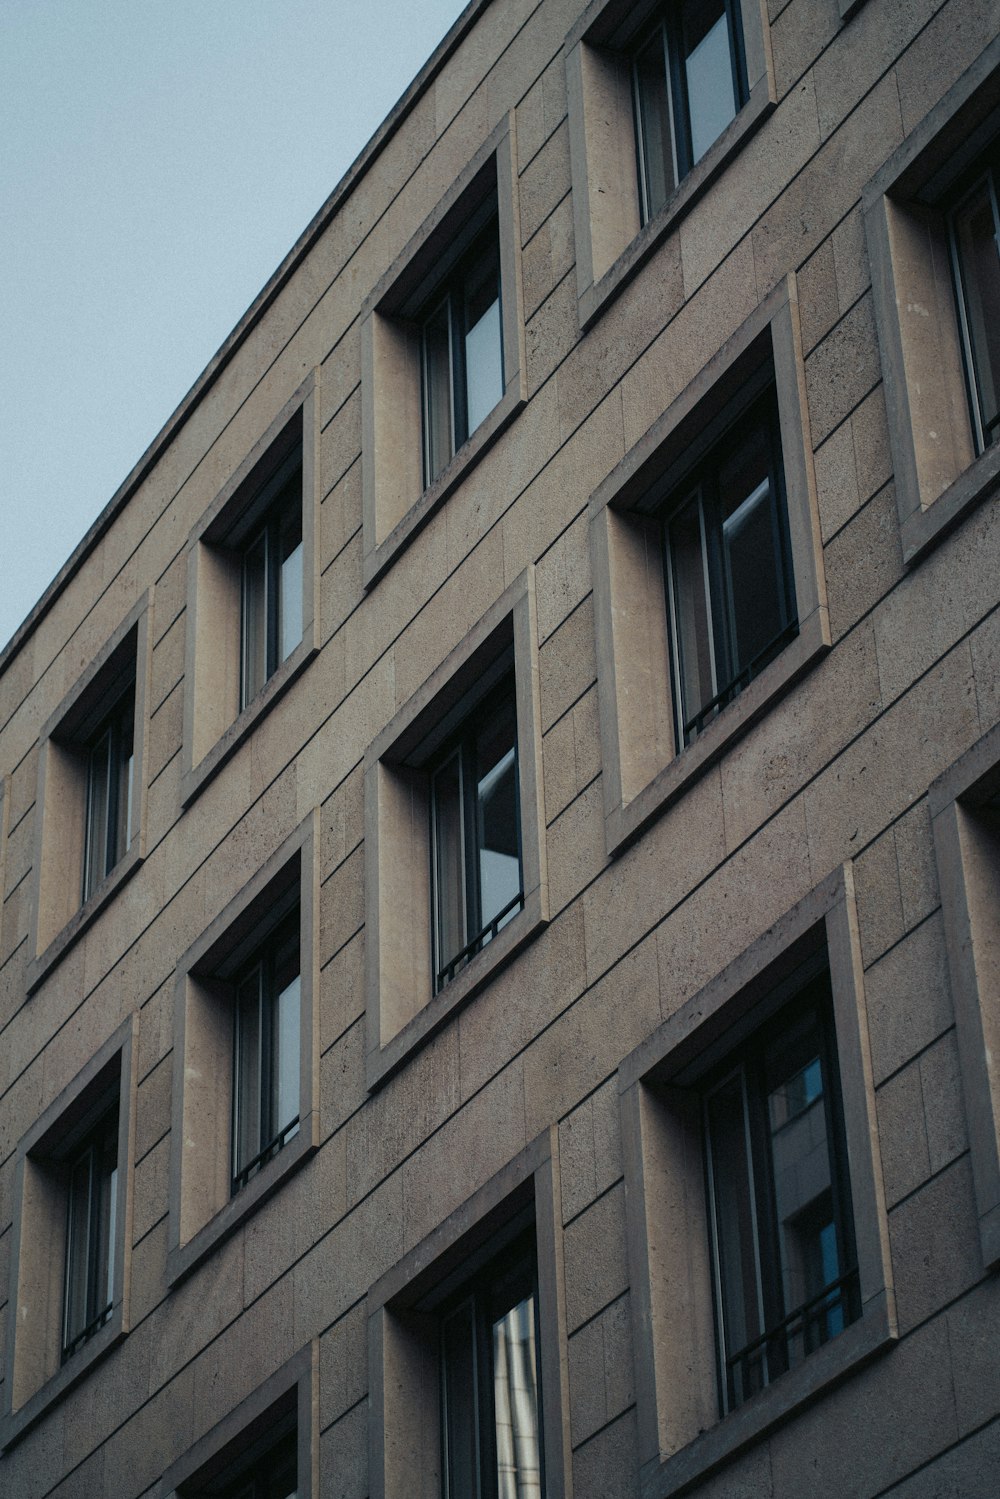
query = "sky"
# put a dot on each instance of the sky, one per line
(158, 159)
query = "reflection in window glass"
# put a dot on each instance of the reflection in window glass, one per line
(108, 821)
(975, 234)
(271, 594)
(88, 1292)
(266, 1053)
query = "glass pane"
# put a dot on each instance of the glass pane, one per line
(77, 1249)
(691, 616)
(105, 1208)
(437, 390)
(285, 1057)
(976, 240)
(657, 168)
(254, 673)
(497, 832)
(515, 1404)
(803, 1177)
(752, 553)
(735, 1234)
(290, 572)
(449, 862)
(246, 1091)
(459, 1403)
(98, 805)
(121, 823)
(483, 338)
(709, 72)
(282, 1475)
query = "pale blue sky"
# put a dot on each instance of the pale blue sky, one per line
(158, 158)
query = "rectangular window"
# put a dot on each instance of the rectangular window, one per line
(91, 1194)
(974, 236)
(491, 1434)
(266, 1053)
(462, 375)
(271, 589)
(728, 570)
(781, 1226)
(108, 821)
(476, 844)
(268, 1474)
(688, 82)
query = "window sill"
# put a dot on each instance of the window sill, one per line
(14, 1424)
(183, 1258)
(379, 556)
(595, 296)
(195, 778)
(923, 529)
(40, 968)
(382, 1061)
(863, 1340)
(624, 821)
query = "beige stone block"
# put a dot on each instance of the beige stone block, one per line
(607, 1463)
(985, 645)
(587, 1409)
(828, 187)
(902, 1137)
(935, 1248)
(151, 1189)
(486, 1133)
(567, 663)
(909, 1004)
(340, 515)
(861, 53)
(863, 562)
(22, 786)
(342, 1079)
(243, 1355)
(548, 257)
(562, 576)
(342, 905)
(449, 615)
(799, 32)
(343, 1457)
(343, 1364)
(842, 370)
(836, 480)
(341, 987)
(544, 183)
(940, 53)
(786, 750)
(918, 883)
(409, 1107)
(755, 176)
(819, 305)
(595, 1258)
(850, 255)
(879, 904)
(341, 822)
(284, 1228)
(575, 845)
(888, 1438)
(973, 1335)
(166, 731)
(521, 1000)
(872, 455)
(941, 1086)
(579, 1049)
(559, 767)
(148, 1285)
(167, 665)
(939, 602)
(152, 1107)
(550, 334)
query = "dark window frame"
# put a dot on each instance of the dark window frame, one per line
(110, 830)
(500, 699)
(700, 483)
(261, 605)
(99, 1230)
(769, 1351)
(668, 23)
(985, 431)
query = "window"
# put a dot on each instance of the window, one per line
(454, 853)
(965, 807)
(271, 584)
(266, 1053)
(442, 348)
(475, 835)
(92, 1178)
(245, 1101)
(108, 820)
(709, 596)
(91, 792)
(267, 1448)
(465, 1337)
(974, 234)
(780, 1211)
(490, 1408)
(252, 590)
(758, 1239)
(688, 82)
(70, 1246)
(461, 350)
(661, 98)
(729, 583)
(930, 221)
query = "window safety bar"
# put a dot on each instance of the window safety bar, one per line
(736, 684)
(88, 1332)
(263, 1156)
(479, 941)
(808, 1320)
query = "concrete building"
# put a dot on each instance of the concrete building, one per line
(500, 832)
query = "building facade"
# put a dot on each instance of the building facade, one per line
(500, 817)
